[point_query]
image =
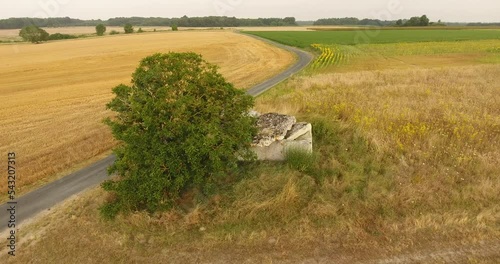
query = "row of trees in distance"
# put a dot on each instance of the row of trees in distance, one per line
(220, 21)
(211, 21)
(352, 21)
(36, 34)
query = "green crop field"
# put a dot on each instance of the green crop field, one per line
(303, 39)
(337, 48)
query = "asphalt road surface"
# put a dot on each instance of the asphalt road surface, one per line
(53, 193)
(304, 58)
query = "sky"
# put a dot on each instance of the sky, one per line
(445, 10)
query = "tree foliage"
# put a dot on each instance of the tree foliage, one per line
(18, 23)
(422, 21)
(100, 29)
(211, 21)
(128, 28)
(33, 34)
(412, 22)
(59, 36)
(181, 125)
(350, 21)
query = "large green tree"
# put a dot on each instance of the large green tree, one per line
(100, 29)
(181, 125)
(33, 34)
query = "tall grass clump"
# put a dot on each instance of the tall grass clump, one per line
(299, 159)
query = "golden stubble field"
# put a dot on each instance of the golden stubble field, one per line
(53, 95)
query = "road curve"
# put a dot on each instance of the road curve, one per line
(55, 192)
(304, 58)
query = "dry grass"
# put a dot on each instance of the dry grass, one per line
(54, 94)
(272, 220)
(441, 128)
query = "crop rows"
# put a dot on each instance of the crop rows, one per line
(304, 39)
(331, 55)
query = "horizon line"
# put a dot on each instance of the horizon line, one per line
(297, 20)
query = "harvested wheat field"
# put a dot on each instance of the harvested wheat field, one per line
(54, 94)
(13, 34)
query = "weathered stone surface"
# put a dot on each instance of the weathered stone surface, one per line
(280, 133)
(272, 127)
(304, 145)
(298, 130)
(271, 152)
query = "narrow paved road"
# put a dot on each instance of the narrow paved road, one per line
(304, 58)
(53, 193)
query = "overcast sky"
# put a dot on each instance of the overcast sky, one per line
(446, 10)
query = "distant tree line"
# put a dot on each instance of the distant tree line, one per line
(18, 23)
(422, 21)
(478, 24)
(211, 21)
(353, 21)
(219, 21)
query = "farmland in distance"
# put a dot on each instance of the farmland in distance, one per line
(352, 37)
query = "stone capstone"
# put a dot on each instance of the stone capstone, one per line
(272, 127)
(298, 130)
(278, 133)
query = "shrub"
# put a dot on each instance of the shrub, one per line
(128, 29)
(100, 29)
(174, 27)
(140, 30)
(33, 34)
(58, 36)
(181, 125)
(114, 32)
